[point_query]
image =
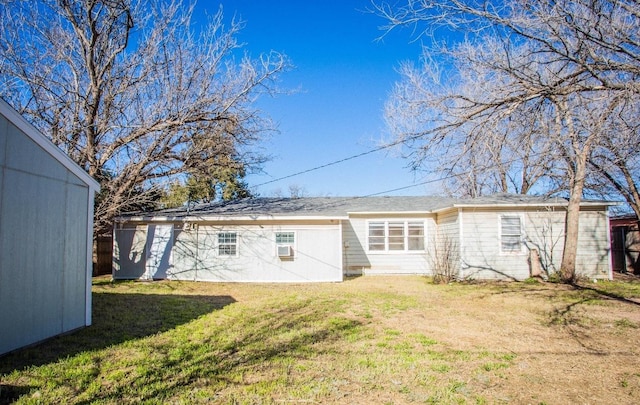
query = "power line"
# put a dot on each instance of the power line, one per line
(368, 152)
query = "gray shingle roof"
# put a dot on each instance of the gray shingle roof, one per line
(340, 207)
(335, 207)
(307, 206)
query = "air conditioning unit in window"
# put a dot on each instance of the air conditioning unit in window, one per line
(285, 251)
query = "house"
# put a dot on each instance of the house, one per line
(625, 244)
(325, 239)
(46, 221)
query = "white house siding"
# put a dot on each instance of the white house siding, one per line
(543, 230)
(481, 257)
(193, 252)
(359, 260)
(129, 251)
(44, 239)
(448, 233)
(594, 245)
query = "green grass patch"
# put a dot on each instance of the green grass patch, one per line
(355, 342)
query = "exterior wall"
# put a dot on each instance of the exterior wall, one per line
(447, 237)
(191, 253)
(543, 230)
(594, 245)
(44, 211)
(359, 260)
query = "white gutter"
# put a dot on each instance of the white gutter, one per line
(219, 218)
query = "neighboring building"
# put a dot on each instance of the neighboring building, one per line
(324, 239)
(46, 222)
(625, 244)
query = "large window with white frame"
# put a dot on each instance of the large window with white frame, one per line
(395, 236)
(227, 244)
(510, 234)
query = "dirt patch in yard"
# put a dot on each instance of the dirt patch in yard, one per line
(520, 343)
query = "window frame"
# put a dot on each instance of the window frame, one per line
(502, 235)
(389, 226)
(226, 244)
(292, 233)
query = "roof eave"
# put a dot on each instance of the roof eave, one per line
(390, 213)
(221, 218)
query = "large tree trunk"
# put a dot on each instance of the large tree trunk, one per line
(572, 226)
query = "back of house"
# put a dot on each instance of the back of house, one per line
(326, 239)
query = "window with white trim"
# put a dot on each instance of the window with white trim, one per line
(377, 236)
(395, 236)
(285, 238)
(415, 235)
(510, 234)
(227, 244)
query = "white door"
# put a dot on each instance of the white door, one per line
(160, 239)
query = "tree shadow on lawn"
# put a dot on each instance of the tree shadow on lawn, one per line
(576, 290)
(249, 346)
(117, 318)
(255, 347)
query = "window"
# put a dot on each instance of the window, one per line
(416, 235)
(376, 236)
(227, 244)
(396, 236)
(285, 238)
(510, 234)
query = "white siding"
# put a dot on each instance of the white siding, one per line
(358, 260)
(448, 233)
(594, 245)
(543, 229)
(43, 243)
(194, 253)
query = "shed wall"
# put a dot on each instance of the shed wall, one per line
(43, 243)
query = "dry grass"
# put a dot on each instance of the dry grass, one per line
(368, 340)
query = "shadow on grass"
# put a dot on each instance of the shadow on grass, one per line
(250, 349)
(117, 318)
(605, 293)
(251, 353)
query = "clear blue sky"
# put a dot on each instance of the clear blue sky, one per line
(344, 75)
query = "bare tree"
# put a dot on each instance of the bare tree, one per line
(617, 161)
(569, 65)
(134, 92)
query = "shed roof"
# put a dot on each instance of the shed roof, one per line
(338, 207)
(32, 132)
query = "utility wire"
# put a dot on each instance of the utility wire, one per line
(368, 152)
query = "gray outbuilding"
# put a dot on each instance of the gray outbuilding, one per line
(46, 226)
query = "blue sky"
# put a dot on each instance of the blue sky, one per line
(344, 75)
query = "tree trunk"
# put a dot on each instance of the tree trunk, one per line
(570, 251)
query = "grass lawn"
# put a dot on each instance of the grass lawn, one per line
(367, 340)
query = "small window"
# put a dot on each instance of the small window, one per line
(227, 244)
(376, 236)
(510, 234)
(285, 238)
(396, 235)
(416, 236)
